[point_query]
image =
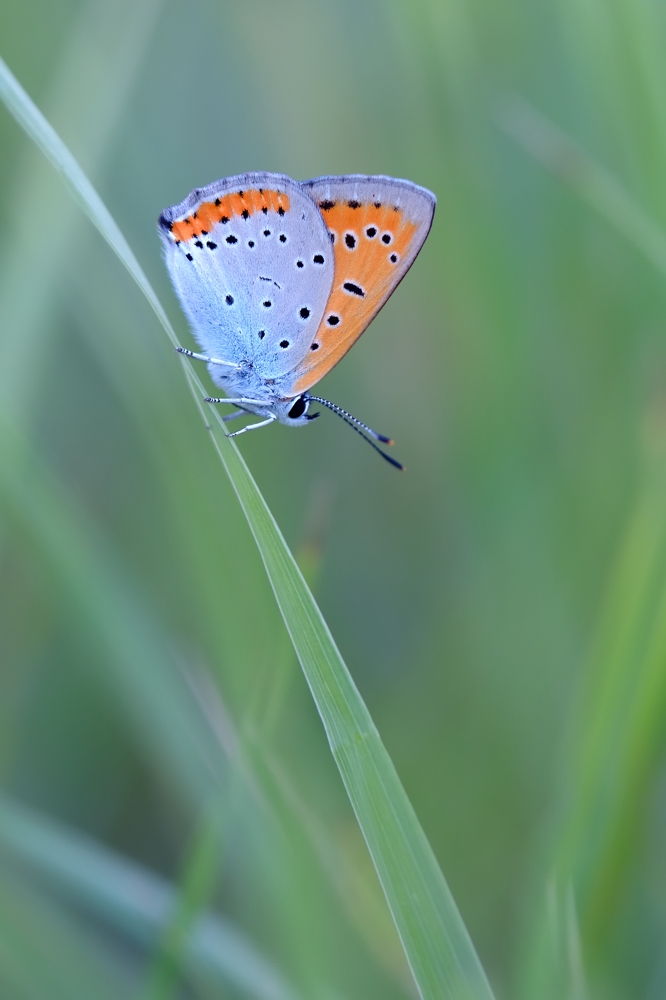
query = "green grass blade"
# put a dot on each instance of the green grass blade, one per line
(438, 948)
(45, 137)
(617, 738)
(618, 741)
(139, 902)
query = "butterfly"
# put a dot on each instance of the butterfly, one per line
(279, 278)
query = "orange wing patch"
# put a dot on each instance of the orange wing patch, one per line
(369, 241)
(209, 213)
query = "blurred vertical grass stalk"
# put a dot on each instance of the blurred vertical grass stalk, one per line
(614, 64)
(614, 750)
(106, 47)
(438, 949)
(616, 743)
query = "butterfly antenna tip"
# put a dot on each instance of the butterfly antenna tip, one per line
(356, 425)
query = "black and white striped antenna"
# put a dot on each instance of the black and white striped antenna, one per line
(359, 427)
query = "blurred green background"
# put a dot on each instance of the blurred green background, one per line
(502, 605)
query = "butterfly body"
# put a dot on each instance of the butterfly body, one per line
(279, 278)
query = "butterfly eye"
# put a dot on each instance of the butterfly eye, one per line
(298, 409)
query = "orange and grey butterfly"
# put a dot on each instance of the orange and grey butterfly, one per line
(280, 278)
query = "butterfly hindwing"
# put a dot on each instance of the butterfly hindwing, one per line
(252, 263)
(377, 226)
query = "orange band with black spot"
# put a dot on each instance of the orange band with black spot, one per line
(238, 203)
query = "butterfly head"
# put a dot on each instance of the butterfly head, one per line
(294, 412)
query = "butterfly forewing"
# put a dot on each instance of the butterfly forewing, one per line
(252, 263)
(377, 226)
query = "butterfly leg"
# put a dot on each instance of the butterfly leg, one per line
(237, 401)
(234, 415)
(203, 357)
(252, 427)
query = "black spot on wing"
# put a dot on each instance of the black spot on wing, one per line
(353, 289)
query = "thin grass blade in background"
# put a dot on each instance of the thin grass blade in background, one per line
(138, 902)
(617, 743)
(108, 44)
(441, 956)
(589, 179)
